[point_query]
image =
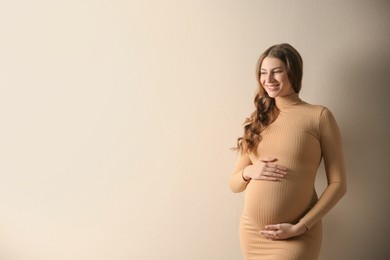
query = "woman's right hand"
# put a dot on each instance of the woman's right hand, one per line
(265, 169)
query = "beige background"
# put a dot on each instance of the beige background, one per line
(117, 118)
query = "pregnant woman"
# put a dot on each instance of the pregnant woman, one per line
(283, 144)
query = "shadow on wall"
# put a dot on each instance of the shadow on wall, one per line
(364, 87)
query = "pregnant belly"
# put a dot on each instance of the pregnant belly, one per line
(268, 202)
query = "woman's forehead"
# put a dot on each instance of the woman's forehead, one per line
(272, 63)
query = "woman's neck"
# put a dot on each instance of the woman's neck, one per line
(287, 101)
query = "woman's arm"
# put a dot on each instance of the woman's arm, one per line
(332, 152)
(236, 181)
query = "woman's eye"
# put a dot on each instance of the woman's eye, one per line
(263, 73)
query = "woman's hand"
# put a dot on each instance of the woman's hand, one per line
(265, 169)
(283, 231)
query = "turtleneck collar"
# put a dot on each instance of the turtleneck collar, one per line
(287, 101)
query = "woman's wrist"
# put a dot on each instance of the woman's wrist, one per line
(300, 228)
(243, 177)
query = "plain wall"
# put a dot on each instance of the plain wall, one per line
(117, 118)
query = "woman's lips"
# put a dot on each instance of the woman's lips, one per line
(273, 87)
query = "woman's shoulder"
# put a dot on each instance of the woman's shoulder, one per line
(319, 114)
(313, 108)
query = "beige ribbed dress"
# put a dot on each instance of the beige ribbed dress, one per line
(299, 138)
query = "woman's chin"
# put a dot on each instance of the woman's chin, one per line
(273, 94)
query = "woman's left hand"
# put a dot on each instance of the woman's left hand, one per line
(283, 231)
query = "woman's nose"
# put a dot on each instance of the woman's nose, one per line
(270, 77)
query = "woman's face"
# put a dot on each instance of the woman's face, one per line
(274, 78)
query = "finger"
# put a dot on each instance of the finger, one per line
(268, 159)
(270, 234)
(266, 178)
(276, 168)
(272, 227)
(279, 232)
(267, 233)
(273, 174)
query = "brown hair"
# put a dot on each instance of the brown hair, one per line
(266, 111)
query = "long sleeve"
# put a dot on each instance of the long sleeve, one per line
(236, 182)
(332, 153)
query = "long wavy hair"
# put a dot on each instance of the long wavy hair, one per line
(266, 111)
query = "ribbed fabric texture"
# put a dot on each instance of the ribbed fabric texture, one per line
(299, 138)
